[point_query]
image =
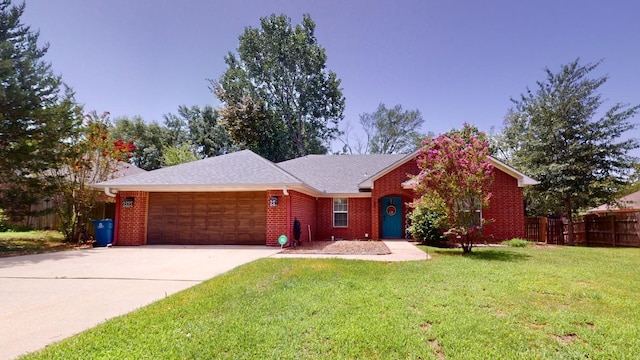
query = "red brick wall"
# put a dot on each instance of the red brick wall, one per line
(391, 185)
(277, 217)
(132, 222)
(359, 219)
(506, 207)
(303, 207)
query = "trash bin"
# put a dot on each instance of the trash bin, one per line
(104, 231)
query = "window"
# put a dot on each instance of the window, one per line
(471, 214)
(340, 212)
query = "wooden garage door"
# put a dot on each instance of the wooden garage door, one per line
(207, 218)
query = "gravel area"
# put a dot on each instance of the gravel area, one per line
(342, 247)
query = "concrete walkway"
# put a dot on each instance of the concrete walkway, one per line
(401, 250)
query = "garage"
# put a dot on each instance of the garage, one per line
(207, 218)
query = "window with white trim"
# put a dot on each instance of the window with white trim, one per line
(340, 212)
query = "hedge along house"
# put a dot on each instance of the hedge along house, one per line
(242, 198)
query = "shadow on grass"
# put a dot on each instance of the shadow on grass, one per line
(484, 254)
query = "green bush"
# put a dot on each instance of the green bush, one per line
(426, 224)
(516, 243)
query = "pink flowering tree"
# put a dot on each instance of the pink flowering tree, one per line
(455, 172)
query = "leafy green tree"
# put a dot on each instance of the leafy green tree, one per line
(280, 73)
(392, 131)
(560, 136)
(205, 132)
(149, 140)
(178, 154)
(36, 114)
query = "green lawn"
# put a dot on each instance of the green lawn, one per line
(13, 243)
(497, 303)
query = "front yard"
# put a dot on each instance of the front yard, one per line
(497, 303)
(31, 242)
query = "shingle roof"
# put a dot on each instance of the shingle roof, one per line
(338, 174)
(235, 169)
(626, 203)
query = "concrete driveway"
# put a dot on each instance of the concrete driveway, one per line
(48, 297)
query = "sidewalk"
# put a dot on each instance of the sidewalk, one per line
(401, 250)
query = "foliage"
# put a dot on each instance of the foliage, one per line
(455, 168)
(36, 114)
(428, 221)
(554, 135)
(149, 140)
(174, 155)
(392, 131)
(279, 99)
(518, 304)
(516, 242)
(92, 157)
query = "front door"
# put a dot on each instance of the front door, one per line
(392, 217)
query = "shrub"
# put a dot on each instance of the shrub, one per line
(426, 224)
(516, 243)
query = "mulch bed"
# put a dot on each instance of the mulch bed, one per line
(342, 247)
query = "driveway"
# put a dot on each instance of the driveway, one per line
(48, 297)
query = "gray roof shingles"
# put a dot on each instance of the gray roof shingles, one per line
(239, 168)
(338, 174)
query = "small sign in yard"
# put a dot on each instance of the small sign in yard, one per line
(282, 239)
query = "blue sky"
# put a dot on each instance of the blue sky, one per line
(455, 61)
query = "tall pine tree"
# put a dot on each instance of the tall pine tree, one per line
(36, 114)
(561, 137)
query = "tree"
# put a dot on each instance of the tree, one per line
(454, 180)
(149, 140)
(178, 154)
(392, 131)
(205, 132)
(560, 136)
(278, 90)
(36, 114)
(91, 158)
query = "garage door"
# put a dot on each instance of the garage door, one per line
(207, 218)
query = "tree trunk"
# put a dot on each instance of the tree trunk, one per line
(569, 212)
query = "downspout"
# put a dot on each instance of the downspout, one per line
(116, 221)
(109, 192)
(288, 215)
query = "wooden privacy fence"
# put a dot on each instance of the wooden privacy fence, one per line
(621, 229)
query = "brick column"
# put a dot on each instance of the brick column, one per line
(132, 221)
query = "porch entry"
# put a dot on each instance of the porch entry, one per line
(391, 217)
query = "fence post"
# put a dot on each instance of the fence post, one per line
(613, 230)
(543, 233)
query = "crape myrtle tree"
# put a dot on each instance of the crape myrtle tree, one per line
(278, 97)
(560, 135)
(91, 157)
(36, 114)
(454, 180)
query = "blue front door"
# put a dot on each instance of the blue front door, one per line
(391, 217)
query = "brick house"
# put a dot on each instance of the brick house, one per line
(242, 198)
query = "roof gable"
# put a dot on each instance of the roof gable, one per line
(523, 180)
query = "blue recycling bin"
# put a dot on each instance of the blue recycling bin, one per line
(104, 231)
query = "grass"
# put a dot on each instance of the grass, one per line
(496, 303)
(31, 242)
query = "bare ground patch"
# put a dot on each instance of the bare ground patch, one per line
(342, 247)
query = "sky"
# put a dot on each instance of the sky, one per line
(455, 61)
